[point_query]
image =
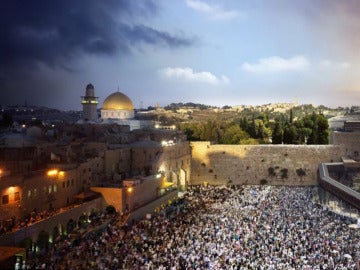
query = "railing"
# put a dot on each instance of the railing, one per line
(344, 192)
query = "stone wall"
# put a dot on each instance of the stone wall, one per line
(112, 196)
(141, 194)
(175, 162)
(149, 208)
(255, 164)
(350, 141)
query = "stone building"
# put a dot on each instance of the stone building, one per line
(57, 173)
(89, 102)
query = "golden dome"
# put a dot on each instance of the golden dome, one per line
(117, 101)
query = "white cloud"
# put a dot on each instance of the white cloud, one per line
(187, 74)
(334, 65)
(215, 12)
(275, 64)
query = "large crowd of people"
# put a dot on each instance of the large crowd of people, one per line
(14, 224)
(220, 227)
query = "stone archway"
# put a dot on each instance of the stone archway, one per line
(182, 179)
(173, 178)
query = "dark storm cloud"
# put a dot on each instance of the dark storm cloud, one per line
(39, 35)
(56, 32)
(149, 35)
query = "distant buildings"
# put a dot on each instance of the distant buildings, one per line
(47, 170)
(117, 108)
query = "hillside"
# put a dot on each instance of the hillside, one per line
(190, 112)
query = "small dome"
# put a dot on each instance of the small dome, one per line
(117, 101)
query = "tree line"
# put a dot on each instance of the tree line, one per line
(309, 129)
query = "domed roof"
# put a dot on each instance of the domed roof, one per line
(117, 101)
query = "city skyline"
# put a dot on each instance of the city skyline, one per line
(211, 52)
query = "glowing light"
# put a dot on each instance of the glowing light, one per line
(24, 126)
(166, 184)
(129, 189)
(164, 143)
(61, 173)
(157, 126)
(1, 171)
(52, 172)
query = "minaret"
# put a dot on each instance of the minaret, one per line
(89, 102)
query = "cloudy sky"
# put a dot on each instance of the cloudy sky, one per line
(204, 51)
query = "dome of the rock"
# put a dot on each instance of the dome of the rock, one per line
(118, 101)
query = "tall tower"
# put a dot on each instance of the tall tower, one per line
(89, 102)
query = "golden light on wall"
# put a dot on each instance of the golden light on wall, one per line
(61, 173)
(52, 172)
(129, 189)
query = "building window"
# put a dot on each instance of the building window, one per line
(29, 194)
(17, 196)
(55, 188)
(5, 199)
(50, 189)
(35, 192)
(67, 183)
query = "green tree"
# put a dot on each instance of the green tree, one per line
(244, 124)
(234, 135)
(290, 134)
(319, 127)
(323, 130)
(313, 138)
(277, 134)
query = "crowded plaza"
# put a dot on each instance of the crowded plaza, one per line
(218, 227)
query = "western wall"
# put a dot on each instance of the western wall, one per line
(260, 164)
(350, 142)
